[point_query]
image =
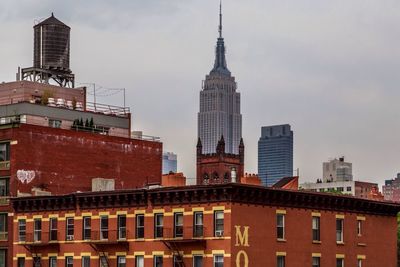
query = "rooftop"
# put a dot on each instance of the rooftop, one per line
(232, 192)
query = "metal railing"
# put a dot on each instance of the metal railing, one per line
(41, 238)
(107, 109)
(146, 138)
(10, 120)
(94, 129)
(185, 232)
(110, 236)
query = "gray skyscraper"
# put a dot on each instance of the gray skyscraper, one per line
(275, 153)
(219, 105)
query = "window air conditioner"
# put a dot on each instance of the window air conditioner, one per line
(219, 233)
(70, 237)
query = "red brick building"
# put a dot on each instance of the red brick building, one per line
(44, 149)
(219, 225)
(219, 167)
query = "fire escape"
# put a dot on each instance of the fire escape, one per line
(102, 241)
(180, 238)
(39, 241)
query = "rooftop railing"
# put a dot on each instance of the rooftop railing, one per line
(107, 109)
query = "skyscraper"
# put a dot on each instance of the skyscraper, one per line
(275, 153)
(220, 105)
(169, 162)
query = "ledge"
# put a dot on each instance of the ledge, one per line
(316, 242)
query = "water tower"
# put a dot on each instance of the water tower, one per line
(50, 54)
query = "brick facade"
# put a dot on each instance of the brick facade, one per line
(219, 167)
(249, 235)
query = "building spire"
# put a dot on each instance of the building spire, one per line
(220, 19)
(220, 66)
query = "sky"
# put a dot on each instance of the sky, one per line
(331, 69)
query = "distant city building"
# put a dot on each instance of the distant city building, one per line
(353, 188)
(219, 167)
(169, 163)
(275, 153)
(219, 113)
(391, 189)
(337, 170)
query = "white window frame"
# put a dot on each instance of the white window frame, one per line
(198, 256)
(218, 232)
(218, 257)
(37, 230)
(278, 226)
(69, 227)
(339, 232)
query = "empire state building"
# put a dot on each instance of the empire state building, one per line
(219, 114)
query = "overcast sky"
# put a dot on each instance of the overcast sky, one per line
(328, 68)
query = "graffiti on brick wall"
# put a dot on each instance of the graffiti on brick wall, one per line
(25, 176)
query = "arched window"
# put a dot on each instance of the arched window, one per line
(226, 177)
(215, 176)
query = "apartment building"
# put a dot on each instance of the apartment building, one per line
(210, 225)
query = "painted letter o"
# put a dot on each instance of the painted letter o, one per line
(245, 259)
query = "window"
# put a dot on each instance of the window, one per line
(348, 189)
(54, 123)
(219, 223)
(280, 226)
(53, 229)
(316, 262)
(70, 228)
(103, 261)
(178, 224)
(218, 260)
(3, 226)
(158, 225)
(52, 262)
(139, 261)
(69, 261)
(280, 261)
(4, 151)
(339, 262)
(103, 227)
(121, 261)
(21, 262)
(87, 228)
(316, 228)
(197, 261)
(339, 230)
(4, 187)
(85, 261)
(359, 226)
(158, 261)
(121, 226)
(177, 260)
(37, 230)
(3, 258)
(198, 224)
(22, 230)
(140, 226)
(37, 262)
(359, 263)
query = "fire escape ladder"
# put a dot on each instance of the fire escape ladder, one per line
(173, 246)
(102, 254)
(37, 262)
